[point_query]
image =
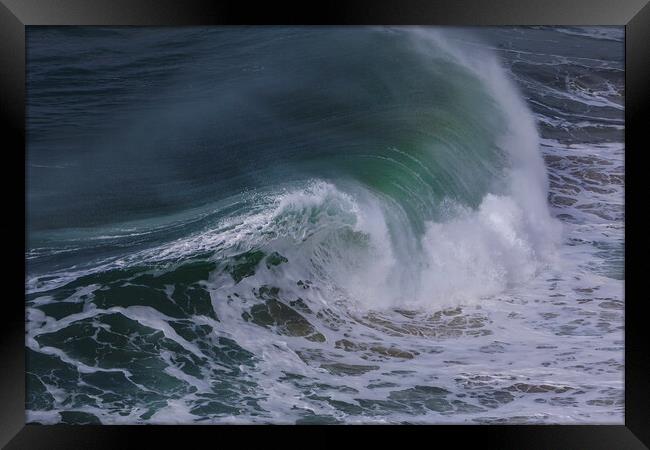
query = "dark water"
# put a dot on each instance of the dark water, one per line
(325, 224)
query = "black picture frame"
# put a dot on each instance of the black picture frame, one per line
(15, 15)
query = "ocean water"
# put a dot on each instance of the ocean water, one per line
(325, 225)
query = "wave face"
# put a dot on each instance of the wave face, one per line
(278, 225)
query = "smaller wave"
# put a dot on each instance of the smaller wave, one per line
(616, 34)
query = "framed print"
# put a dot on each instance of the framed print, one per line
(419, 215)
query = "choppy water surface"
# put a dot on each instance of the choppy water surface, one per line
(325, 225)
